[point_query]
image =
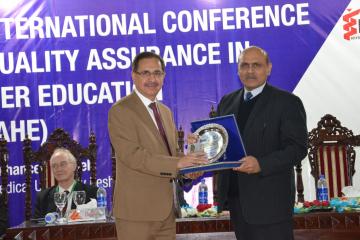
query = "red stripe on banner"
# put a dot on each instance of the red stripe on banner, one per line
(346, 166)
(329, 172)
(339, 174)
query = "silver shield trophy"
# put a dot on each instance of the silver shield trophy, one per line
(213, 140)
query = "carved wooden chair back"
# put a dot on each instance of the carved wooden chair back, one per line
(331, 153)
(4, 161)
(58, 139)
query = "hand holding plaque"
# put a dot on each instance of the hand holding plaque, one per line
(213, 139)
(192, 159)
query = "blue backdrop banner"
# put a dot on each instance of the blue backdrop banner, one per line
(64, 63)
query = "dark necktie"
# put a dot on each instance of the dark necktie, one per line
(160, 125)
(248, 96)
(163, 135)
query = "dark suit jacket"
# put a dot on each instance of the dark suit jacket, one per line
(45, 199)
(276, 134)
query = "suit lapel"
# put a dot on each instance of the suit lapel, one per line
(51, 204)
(259, 106)
(237, 102)
(167, 122)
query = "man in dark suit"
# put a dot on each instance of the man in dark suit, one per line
(144, 136)
(63, 166)
(260, 193)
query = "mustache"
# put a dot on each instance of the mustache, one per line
(250, 77)
(151, 84)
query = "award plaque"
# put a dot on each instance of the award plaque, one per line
(213, 140)
(220, 139)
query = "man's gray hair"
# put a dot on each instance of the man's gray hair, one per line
(64, 151)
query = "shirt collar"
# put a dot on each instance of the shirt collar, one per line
(255, 91)
(143, 99)
(69, 189)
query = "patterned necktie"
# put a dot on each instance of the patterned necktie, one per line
(160, 125)
(248, 96)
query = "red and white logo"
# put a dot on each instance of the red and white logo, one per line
(352, 24)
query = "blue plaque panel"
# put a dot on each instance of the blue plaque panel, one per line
(235, 149)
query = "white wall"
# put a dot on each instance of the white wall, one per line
(331, 85)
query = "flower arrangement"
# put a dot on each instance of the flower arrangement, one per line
(339, 204)
(316, 203)
(346, 204)
(201, 210)
(311, 206)
(203, 207)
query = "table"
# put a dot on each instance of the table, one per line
(327, 225)
(323, 225)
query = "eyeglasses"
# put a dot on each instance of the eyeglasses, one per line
(253, 66)
(147, 74)
(62, 164)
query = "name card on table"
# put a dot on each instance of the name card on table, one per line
(87, 214)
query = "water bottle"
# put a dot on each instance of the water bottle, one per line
(203, 192)
(101, 196)
(322, 189)
(51, 217)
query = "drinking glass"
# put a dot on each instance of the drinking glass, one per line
(79, 197)
(60, 199)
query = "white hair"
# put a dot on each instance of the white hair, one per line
(66, 152)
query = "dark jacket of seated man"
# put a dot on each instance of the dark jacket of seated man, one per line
(63, 166)
(45, 198)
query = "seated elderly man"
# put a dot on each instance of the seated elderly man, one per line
(63, 166)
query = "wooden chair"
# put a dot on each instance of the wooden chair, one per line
(181, 140)
(59, 138)
(331, 153)
(212, 114)
(299, 183)
(4, 160)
